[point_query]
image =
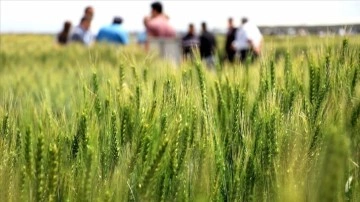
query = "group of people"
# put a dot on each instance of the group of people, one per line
(157, 25)
(113, 33)
(241, 43)
(205, 44)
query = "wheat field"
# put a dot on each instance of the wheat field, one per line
(116, 124)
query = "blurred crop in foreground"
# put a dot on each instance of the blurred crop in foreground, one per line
(115, 124)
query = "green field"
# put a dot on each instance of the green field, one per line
(115, 124)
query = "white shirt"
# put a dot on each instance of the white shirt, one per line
(246, 32)
(81, 35)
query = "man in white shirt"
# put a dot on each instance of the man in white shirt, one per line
(248, 40)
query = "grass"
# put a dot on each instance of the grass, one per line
(114, 124)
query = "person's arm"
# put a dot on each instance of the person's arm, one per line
(227, 42)
(251, 44)
(231, 38)
(255, 48)
(147, 27)
(254, 37)
(146, 21)
(235, 44)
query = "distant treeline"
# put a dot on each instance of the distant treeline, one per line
(316, 29)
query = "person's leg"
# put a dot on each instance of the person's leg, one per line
(210, 62)
(231, 56)
(243, 55)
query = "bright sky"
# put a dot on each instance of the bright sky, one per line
(49, 16)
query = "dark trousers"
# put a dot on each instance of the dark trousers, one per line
(230, 55)
(247, 53)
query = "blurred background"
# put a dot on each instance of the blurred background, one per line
(273, 17)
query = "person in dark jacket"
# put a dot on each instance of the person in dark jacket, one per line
(189, 42)
(63, 36)
(230, 37)
(207, 46)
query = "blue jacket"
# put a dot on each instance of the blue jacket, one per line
(114, 33)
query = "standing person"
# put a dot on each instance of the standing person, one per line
(160, 34)
(63, 36)
(189, 42)
(82, 32)
(157, 24)
(89, 12)
(114, 33)
(230, 37)
(207, 46)
(248, 41)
